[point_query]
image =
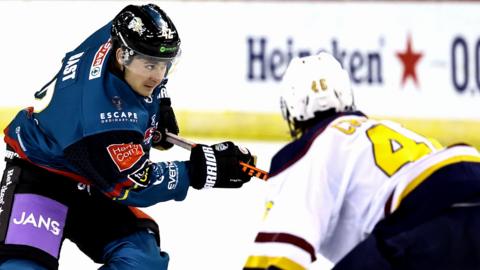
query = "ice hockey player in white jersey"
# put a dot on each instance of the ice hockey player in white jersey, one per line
(363, 193)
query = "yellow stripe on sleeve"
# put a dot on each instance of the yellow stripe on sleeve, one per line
(264, 261)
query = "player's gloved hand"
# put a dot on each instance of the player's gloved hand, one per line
(166, 122)
(218, 166)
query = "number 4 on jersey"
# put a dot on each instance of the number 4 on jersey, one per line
(392, 150)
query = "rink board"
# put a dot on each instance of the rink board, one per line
(272, 127)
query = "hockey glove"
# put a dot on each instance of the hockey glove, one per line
(218, 166)
(166, 122)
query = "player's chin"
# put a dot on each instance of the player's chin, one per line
(147, 91)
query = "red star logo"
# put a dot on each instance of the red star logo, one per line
(409, 59)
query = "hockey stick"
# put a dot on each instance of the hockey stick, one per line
(247, 168)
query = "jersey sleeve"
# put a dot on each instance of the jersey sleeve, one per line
(299, 208)
(118, 164)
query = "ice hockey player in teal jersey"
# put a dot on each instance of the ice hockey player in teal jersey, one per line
(78, 168)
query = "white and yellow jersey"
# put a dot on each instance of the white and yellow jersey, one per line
(330, 188)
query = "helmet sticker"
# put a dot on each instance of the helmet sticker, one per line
(137, 25)
(166, 49)
(167, 32)
(322, 83)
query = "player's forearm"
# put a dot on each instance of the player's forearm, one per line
(164, 181)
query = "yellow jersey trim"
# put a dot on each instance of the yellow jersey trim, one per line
(265, 261)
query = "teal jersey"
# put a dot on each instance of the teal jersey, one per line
(97, 130)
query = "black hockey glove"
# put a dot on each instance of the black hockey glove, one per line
(166, 122)
(218, 166)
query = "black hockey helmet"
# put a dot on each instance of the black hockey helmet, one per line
(146, 30)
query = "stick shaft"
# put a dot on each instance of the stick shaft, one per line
(179, 141)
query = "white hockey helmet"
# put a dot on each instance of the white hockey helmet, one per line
(312, 85)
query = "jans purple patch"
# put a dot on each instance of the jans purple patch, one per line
(37, 221)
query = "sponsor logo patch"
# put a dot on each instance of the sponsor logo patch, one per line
(211, 162)
(11, 155)
(5, 193)
(37, 221)
(4, 187)
(172, 175)
(96, 68)
(125, 155)
(115, 117)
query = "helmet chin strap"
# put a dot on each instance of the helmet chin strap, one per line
(294, 133)
(298, 128)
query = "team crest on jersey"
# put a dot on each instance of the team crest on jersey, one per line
(149, 134)
(125, 155)
(96, 68)
(117, 102)
(140, 176)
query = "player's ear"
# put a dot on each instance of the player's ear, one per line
(119, 57)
